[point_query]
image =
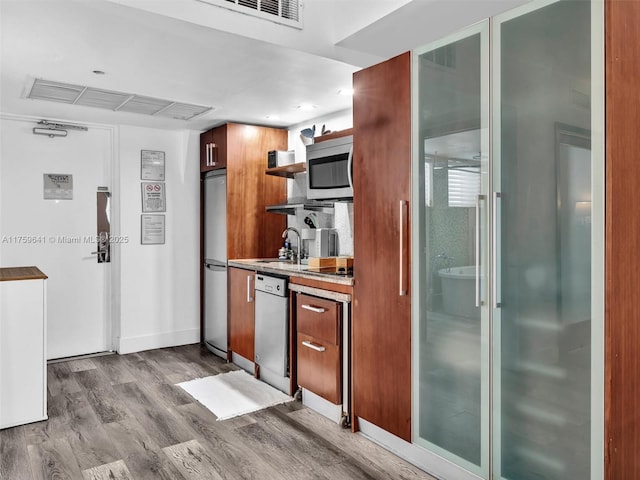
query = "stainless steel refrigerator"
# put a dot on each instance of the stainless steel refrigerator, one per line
(215, 262)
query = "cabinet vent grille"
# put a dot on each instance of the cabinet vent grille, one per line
(111, 100)
(286, 12)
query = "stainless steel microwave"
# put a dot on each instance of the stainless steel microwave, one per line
(330, 169)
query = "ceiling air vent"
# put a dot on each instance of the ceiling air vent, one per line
(285, 12)
(116, 101)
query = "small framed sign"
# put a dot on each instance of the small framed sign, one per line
(152, 165)
(152, 229)
(153, 197)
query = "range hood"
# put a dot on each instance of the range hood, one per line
(295, 204)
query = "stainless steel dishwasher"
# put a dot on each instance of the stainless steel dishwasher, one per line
(272, 331)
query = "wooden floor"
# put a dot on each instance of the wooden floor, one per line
(121, 417)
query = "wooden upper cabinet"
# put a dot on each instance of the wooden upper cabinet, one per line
(213, 149)
(381, 331)
(251, 231)
(242, 150)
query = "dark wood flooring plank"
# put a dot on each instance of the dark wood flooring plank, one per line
(142, 370)
(163, 426)
(101, 396)
(167, 362)
(271, 447)
(205, 359)
(14, 456)
(57, 426)
(81, 365)
(110, 471)
(307, 444)
(361, 451)
(90, 444)
(54, 459)
(169, 395)
(193, 461)
(351, 471)
(60, 379)
(143, 456)
(230, 450)
(114, 368)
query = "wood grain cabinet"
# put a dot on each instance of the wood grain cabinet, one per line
(242, 150)
(381, 327)
(213, 149)
(242, 312)
(319, 346)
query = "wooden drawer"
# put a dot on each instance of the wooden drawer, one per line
(319, 368)
(319, 318)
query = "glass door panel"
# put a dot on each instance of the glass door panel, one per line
(451, 328)
(542, 302)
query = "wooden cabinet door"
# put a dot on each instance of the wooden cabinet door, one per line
(251, 231)
(205, 151)
(213, 149)
(381, 332)
(319, 367)
(241, 312)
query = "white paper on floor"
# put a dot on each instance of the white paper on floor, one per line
(235, 393)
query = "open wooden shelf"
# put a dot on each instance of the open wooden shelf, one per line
(287, 171)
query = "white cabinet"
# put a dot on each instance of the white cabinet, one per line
(23, 376)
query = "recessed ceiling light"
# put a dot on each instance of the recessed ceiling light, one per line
(98, 72)
(345, 91)
(306, 106)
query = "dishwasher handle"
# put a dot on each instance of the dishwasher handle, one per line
(314, 309)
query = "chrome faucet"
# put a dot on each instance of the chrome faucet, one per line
(284, 235)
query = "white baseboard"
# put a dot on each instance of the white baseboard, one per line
(159, 340)
(323, 407)
(431, 463)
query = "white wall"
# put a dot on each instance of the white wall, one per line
(342, 218)
(160, 292)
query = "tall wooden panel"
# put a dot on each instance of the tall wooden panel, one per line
(251, 231)
(622, 237)
(382, 179)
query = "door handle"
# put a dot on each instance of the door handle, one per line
(249, 297)
(401, 253)
(310, 345)
(497, 196)
(479, 199)
(314, 309)
(212, 156)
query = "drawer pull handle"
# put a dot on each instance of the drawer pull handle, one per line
(317, 348)
(314, 309)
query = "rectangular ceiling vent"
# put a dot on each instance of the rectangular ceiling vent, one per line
(116, 101)
(285, 12)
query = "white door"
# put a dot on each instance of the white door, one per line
(58, 235)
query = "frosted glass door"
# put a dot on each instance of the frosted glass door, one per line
(543, 212)
(451, 358)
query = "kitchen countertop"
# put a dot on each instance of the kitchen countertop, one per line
(9, 274)
(273, 265)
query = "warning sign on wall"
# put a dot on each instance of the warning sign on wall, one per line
(153, 197)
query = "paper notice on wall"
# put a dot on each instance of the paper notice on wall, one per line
(151, 165)
(58, 186)
(152, 229)
(153, 197)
